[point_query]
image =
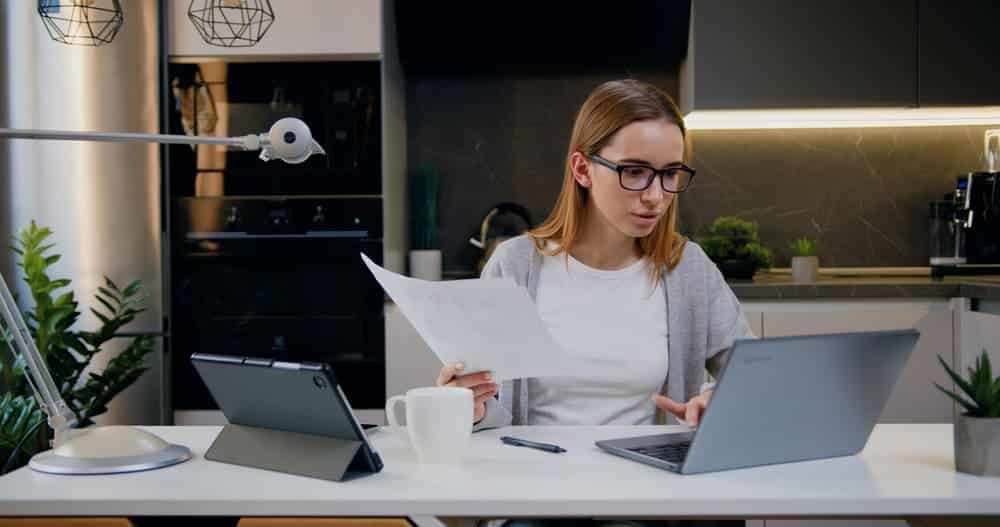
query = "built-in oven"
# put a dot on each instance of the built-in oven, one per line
(280, 278)
(263, 257)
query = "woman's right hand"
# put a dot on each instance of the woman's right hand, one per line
(481, 383)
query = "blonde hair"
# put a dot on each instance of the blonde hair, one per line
(609, 108)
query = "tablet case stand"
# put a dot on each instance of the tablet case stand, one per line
(310, 455)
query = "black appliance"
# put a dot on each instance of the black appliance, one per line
(981, 216)
(339, 101)
(279, 278)
(976, 206)
(263, 257)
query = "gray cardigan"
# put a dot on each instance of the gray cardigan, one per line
(703, 319)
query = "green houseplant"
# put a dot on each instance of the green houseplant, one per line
(425, 249)
(67, 352)
(977, 428)
(805, 263)
(734, 245)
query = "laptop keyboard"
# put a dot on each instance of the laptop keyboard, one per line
(672, 452)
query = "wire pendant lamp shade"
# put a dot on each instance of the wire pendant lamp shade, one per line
(231, 23)
(81, 22)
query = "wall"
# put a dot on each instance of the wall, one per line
(863, 192)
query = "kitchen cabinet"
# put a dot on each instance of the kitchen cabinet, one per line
(787, 53)
(914, 399)
(307, 29)
(829, 54)
(957, 53)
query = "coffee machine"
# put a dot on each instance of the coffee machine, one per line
(977, 218)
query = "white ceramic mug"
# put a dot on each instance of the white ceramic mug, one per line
(438, 420)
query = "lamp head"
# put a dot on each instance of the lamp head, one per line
(289, 140)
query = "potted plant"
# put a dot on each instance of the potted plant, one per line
(977, 429)
(68, 352)
(425, 250)
(805, 263)
(734, 245)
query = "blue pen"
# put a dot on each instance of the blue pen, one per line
(555, 449)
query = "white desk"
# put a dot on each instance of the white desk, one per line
(906, 470)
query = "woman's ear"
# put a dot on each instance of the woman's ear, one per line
(581, 169)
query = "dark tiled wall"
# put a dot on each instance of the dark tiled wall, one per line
(863, 192)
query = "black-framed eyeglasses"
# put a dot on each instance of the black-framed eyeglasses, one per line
(674, 179)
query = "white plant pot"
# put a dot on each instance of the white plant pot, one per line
(805, 269)
(425, 264)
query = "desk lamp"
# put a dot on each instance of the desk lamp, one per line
(116, 449)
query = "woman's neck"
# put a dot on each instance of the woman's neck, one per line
(601, 246)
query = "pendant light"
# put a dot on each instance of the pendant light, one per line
(81, 22)
(231, 23)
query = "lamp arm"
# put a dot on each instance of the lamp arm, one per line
(246, 142)
(60, 416)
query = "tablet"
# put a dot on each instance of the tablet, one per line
(298, 397)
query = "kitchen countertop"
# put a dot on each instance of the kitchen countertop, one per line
(852, 282)
(779, 286)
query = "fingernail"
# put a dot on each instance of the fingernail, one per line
(489, 376)
(459, 365)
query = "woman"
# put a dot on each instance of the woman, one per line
(615, 283)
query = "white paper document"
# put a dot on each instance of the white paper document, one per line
(486, 324)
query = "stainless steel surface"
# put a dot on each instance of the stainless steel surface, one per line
(101, 200)
(51, 463)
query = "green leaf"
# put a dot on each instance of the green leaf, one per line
(133, 289)
(957, 379)
(970, 408)
(105, 303)
(105, 320)
(108, 294)
(19, 417)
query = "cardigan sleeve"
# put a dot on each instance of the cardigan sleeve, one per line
(726, 323)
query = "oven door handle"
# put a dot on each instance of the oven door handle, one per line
(256, 236)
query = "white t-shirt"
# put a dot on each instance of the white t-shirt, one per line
(617, 322)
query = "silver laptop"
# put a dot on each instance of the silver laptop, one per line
(784, 399)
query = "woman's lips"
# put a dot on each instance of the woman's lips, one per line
(646, 219)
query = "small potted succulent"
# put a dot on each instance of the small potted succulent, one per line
(805, 263)
(734, 245)
(977, 428)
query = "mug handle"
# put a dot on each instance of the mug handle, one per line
(390, 409)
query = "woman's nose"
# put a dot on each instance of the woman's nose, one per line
(654, 192)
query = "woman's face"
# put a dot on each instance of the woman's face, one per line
(656, 143)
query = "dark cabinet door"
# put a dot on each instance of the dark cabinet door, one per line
(959, 59)
(794, 54)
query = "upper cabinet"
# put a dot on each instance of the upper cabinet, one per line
(958, 62)
(306, 29)
(793, 54)
(841, 54)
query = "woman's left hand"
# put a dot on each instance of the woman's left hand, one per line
(689, 412)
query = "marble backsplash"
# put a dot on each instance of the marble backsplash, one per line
(863, 192)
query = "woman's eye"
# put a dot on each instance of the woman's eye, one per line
(636, 171)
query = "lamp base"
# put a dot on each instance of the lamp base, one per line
(110, 450)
